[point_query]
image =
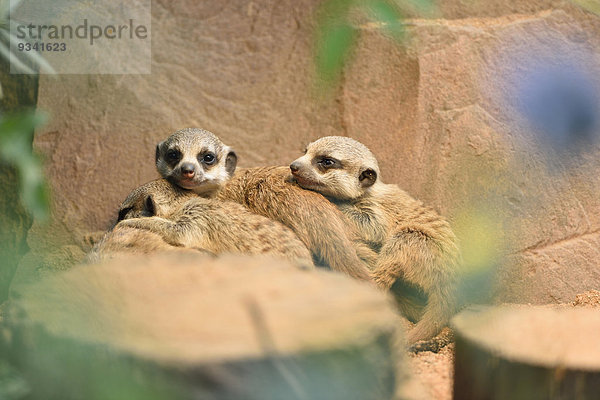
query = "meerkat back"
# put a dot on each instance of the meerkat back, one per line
(185, 220)
(315, 221)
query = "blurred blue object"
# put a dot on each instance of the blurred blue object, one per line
(561, 104)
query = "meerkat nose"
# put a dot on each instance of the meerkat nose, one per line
(188, 170)
(295, 166)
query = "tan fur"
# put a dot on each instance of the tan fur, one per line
(153, 198)
(195, 159)
(315, 221)
(126, 241)
(183, 219)
(416, 247)
(264, 191)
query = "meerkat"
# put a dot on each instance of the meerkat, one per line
(196, 160)
(324, 230)
(126, 241)
(182, 219)
(417, 251)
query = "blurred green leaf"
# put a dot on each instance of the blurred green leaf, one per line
(12, 384)
(389, 16)
(16, 136)
(335, 45)
(33, 56)
(590, 5)
(336, 32)
(480, 237)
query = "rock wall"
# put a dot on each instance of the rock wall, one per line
(434, 109)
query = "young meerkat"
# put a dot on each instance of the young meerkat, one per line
(196, 160)
(183, 219)
(124, 240)
(417, 250)
(127, 241)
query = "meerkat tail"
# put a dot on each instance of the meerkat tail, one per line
(435, 318)
(422, 260)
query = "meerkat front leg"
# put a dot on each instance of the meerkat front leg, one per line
(418, 259)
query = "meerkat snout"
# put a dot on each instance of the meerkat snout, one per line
(195, 159)
(188, 170)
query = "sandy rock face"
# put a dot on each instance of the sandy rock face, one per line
(437, 111)
(444, 116)
(191, 325)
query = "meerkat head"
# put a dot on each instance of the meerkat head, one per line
(155, 198)
(195, 159)
(337, 167)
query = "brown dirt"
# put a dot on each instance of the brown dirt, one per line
(591, 298)
(433, 374)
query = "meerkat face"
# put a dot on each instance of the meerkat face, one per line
(155, 198)
(337, 167)
(195, 159)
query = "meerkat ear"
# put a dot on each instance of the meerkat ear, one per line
(230, 162)
(149, 206)
(367, 177)
(158, 146)
(123, 213)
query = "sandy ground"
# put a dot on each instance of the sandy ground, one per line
(433, 372)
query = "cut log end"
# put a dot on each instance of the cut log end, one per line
(181, 326)
(527, 352)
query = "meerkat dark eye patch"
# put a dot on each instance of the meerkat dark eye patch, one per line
(123, 213)
(328, 163)
(230, 162)
(367, 177)
(173, 156)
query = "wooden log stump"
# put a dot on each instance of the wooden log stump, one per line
(195, 327)
(527, 352)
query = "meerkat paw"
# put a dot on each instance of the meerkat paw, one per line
(435, 344)
(147, 223)
(137, 223)
(382, 279)
(160, 226)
